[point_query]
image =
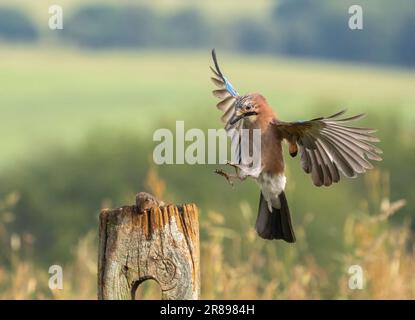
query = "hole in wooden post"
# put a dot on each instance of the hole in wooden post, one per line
(146, 289)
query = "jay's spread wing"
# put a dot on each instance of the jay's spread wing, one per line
(327, 145)
(228, 96)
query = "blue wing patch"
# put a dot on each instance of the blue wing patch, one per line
(230, 88)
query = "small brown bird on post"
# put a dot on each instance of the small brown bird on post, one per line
(145, 201)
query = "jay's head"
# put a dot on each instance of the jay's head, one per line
(249, 107)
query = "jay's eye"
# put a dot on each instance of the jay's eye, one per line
(248, 107)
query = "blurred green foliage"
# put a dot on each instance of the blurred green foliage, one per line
(296, 28)
(299, 28)
(64, 175)
(77, 134)
(62, 191)
(16, 26)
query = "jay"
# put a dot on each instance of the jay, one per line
(326, 145)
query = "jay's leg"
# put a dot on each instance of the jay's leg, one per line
(237, 167)
(229, 176)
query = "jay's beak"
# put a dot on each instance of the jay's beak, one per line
(235, 118)
(240, 115)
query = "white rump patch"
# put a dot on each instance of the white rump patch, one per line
(271, 186)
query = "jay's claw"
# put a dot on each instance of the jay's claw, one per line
(224, 174)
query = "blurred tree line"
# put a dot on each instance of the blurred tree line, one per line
(16, 26)
(297, 27)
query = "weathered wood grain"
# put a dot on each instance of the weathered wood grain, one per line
(160, 244)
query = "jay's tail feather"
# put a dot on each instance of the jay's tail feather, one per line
(275, 224)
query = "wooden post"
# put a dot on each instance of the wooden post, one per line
(160, 244)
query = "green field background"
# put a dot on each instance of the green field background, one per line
(71, 92)
(76, 136)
